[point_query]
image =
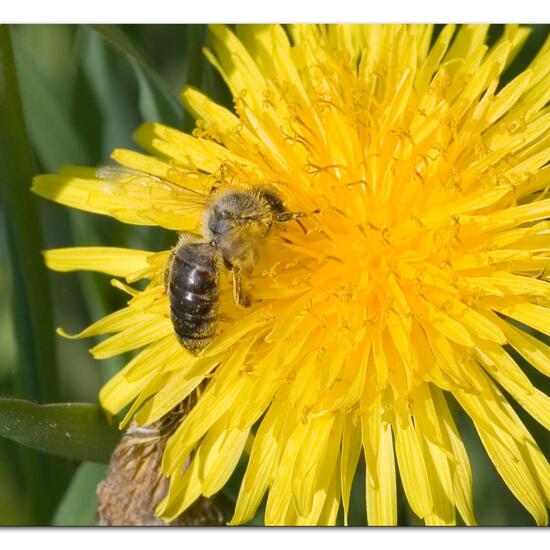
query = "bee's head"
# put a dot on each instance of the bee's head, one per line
(236, 209)
(254, 209)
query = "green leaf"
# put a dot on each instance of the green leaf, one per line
(157, 102)
(79, 505)
(74, 430)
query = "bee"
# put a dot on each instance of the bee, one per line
(236, 223)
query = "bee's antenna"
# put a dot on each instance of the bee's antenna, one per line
(302, 226)
(289, 216)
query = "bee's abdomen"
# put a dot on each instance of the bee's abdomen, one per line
(193, 293)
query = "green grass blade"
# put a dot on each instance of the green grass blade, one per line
(36, 374)
(157, 101)
(59, 141)
(79, 431)
(34, 327)
(152, 106)
(79, 504)
(104, 80)
(12, 504)
(195, 37)
(55, 139)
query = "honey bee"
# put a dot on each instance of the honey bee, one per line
(236, 223)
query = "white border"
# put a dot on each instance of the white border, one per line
(206, 11)
(247, 11)
(271, 539)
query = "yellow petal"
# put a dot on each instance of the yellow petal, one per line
(119, 262)
(351, 450)
(468, 39)
(114, 322)
(313, 449)
(480, 80)
(119, 392)
(510, 464)
(239, 68)
(218, 119)
(379, 454)
(326, 500)
(187, 150)
(188, 374)
(210, 407)
(412, 467)
(447, 326)
(138, 199)
(533, 350)
(280, 494)
(151, 328)
(515, 284)
(460, 465)
(503, 368)
(91, 195)
(506, 98)
(435, 55)
(480, 325)
(437, 452)
(164, 353)
(261, 465)
(222, 459)
(381, 490)
(329, 513)
(534, 316)
(186, 487)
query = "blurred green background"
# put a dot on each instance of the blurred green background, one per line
(84, 90)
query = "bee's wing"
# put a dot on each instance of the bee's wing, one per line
(110, 172)
(153, 198)
(123, 175)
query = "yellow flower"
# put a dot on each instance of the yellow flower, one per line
(423, 263)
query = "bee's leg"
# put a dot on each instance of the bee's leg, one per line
(240, 295)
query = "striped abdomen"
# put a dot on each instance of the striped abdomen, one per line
(193, 293)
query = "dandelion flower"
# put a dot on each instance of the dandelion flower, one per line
(418, 274)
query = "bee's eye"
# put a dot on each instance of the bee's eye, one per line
(274, 201)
